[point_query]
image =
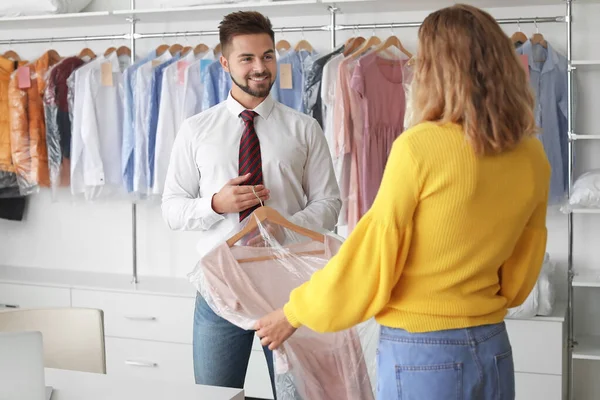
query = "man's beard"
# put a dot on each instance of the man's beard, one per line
(260, 93)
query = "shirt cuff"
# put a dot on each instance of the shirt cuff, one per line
(289, 315)
(207, 213)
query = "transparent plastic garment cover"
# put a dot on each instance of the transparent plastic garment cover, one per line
(255, 275)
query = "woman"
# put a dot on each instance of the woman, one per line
(457, 233)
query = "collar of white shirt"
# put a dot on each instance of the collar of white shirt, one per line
(263, 109)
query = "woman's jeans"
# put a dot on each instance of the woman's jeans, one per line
(460, 364)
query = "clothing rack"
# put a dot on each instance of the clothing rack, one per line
(332, 28)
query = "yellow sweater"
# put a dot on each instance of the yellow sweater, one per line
(451, 241)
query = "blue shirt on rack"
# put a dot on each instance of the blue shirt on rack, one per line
(155, 90)
(548, 78)
(292, 97)
(128, 118)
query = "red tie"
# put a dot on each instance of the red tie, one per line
(250, 159)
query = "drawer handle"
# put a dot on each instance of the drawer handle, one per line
(140, 318)
(146, 364)
(9, 306)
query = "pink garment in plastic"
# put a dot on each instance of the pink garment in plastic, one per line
(309, 365)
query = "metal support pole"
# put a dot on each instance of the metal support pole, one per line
(134, 279)
(333, 24)
(570, 318)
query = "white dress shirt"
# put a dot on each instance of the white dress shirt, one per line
(170, 117)
(194, 85)
(97, 130)
(296, 164)
(141, 99)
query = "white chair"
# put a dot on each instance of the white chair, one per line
(73, 337)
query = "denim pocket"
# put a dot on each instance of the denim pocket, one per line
(429, 382)
(505, 375)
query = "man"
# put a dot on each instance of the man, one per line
(221, 157)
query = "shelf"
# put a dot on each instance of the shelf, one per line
(585, 62)
(295, 8)
(584, 210)
(588, 348)
(374, 6)
(63, 20)
(586, 278)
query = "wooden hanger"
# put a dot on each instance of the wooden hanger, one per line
(395, 42)
(267, 213)
(352, 44)
(217, 49)
(185, 51)
(12, 55)
(160, 50)
(538, 38)
(518, 37)
(201, 48)
(283, 45)
(54, 57)
(176, 48)
(87, 52)
(303, 45)
(109, 51)
(123, 51)
(372, 41)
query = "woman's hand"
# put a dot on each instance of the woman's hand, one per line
(274, 329)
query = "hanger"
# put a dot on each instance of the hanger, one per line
(283, 45)
(123, 51)
(176, 48)
(372, 41)
(109, 51)
(12, 55)
(87, 52)
(518, 37)
(303, 44)
(160, 50)
(393, 41)
(217, 49)
(352, 44)
(54, 56)
(538, 38)
(201, 48)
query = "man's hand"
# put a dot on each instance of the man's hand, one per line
(233, 198)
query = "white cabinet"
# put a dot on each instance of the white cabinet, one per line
(149, 360)
(141, 316)
(30, 296)
(149, 330)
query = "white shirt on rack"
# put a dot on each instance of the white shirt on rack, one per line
(97, 129)
(170, 117)
(194, 87)
(79, 77)
(296, 164)
(141, 96)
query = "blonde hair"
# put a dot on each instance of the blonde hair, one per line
(468, 72)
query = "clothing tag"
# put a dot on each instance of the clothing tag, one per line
(107, 75)
(525, 63)
(181, 67)
(24, 77)
(285, 76)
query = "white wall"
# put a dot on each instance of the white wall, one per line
(97, 237)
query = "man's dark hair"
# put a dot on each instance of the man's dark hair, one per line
(243, 23)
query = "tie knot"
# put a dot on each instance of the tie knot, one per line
(248, 116)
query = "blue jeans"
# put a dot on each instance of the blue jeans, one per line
(222, 350)
(461, 364)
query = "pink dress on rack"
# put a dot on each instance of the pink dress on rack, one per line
(322, 366)
(378, 82)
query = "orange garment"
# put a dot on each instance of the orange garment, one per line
(6, 69)
(28, 126)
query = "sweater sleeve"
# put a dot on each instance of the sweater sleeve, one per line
(520, 271)
(357, 283)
